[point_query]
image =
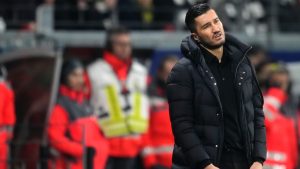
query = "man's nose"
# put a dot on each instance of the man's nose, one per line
(215, 28)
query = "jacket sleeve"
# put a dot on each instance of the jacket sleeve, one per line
(180, 98)
(57, 130)
(10, 118)
(259, 149)
(7, 110)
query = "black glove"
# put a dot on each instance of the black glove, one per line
(158, 166)
(90, 153)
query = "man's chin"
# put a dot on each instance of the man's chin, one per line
(214, 46)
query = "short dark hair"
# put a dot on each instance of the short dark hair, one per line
(194, 11)
(112, 32)
(67, 68)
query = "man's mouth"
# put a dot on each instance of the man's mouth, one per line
(217, 35)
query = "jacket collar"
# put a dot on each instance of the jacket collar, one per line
(72, 94)
(119, 66)
(191, 50)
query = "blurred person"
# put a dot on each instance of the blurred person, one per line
(146, 14)
(181, 7)
(45, 17)
(157, 153)
(73, 130)
(77, 14)
(108, 12)
(216, 106)
(138, 14)
(280, 78)
(257, 55)
(7, 118)
(287, 8)
(118, 95)
(281, 139)
(165, 14)
(264, 70)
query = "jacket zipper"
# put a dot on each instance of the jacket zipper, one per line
(244, 56)
(248, 151)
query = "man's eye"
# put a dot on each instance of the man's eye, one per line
(205, 26)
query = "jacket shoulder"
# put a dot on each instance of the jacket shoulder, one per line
(138, 67)
(98, 64)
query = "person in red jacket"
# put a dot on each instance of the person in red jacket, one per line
(157, 153)
(7, 118)
(281, 131)
(73, 130)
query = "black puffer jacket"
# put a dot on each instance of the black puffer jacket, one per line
(196, 111)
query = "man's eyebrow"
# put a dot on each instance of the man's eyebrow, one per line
(206, 24)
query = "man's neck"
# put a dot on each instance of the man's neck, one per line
(216, 52)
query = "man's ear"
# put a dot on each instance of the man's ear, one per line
(195, 37)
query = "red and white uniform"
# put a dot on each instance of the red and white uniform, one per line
(7, 121)
(108, 78)
(160, 141)
(281, 135)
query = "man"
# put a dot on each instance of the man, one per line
(74, 127)
(157, 153)
(215, 101)
(7, 118)
(118, 95)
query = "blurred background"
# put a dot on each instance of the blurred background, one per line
(37, 35)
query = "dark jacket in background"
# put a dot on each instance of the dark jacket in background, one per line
(196, 111)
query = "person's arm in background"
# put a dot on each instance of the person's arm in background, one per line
(180, 97)
(7, 110)
(9, 113)
(57, 129)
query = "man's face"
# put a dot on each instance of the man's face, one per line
(258, 58)
(121, 45)
(75, 79)
(281, 79)
(209, 30)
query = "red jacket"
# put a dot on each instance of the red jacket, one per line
(160, 141)
(281, 134)
(7, 109)
(7, 120)
(70, 131)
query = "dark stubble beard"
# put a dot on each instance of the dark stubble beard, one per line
(210, 46)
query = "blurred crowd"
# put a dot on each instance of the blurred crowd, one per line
(238, 15)
(112, 114)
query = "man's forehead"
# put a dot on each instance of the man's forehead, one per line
(206, 17)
